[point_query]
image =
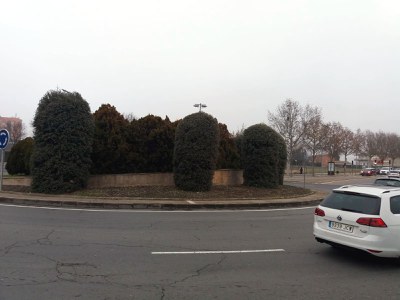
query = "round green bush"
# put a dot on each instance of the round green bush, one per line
(196, 152)
(263, 157)
(63, 134)
(18, 161)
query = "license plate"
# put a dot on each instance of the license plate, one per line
(341, 226)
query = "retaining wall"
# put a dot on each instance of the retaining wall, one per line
(221, 177)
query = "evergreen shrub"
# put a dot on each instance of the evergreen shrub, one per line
(196, 152)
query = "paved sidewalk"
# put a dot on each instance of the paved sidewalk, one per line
(171, 203)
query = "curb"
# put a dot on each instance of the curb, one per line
(163, 204)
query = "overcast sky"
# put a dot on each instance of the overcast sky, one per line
(242, 58)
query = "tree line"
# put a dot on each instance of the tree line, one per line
(124, 144)
(70, 143)
(305, 133)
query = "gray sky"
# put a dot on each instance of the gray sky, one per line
(240, 57)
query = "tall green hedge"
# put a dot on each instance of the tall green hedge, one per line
(282, 157)
(109, 144)
(263, 157)
(63, 134)
(229, 155)
(18, 161)
(196, 152)
(151, 144)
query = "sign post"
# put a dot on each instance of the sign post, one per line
(331, 168)
(4, 137)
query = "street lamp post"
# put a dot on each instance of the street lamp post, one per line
(200, 105)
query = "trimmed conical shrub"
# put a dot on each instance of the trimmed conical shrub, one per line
(263, 157)
(196, 152)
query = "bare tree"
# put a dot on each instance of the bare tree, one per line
(393, 148)
(290, 123)
(370, 145)
(16, 129)
(315, 133)
(130, 117)
(334, 140)
(358, 143)
(348, 148)
(381, 145)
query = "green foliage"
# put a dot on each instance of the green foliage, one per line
(195, 152)
(263, 157)
(18, 161)
(238, 139)
(282, 150)
(109, 144)
(228, 153)
(63, 134)
(151, 144)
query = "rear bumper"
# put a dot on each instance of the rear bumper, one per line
(375, 245)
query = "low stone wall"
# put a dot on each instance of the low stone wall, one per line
(228, 177)
(221, 177)
(22, 181)
(132, 179)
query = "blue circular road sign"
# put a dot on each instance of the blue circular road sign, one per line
(4, 137)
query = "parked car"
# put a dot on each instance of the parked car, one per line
(368, 172)
(394, 173)
(384, 170)
(366, 218)
(387, 181)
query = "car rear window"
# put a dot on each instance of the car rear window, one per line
(387, 182)
(395, 205)
(353, 202)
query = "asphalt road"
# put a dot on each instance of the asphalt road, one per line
(80, 254)
(327, 183)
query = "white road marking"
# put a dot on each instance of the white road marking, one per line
(330, 182)
(160, 211)
(190, 202)
(218, 252)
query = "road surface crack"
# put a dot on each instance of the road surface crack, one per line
(7, 249)
(46, 240)
(74, 271)
(199, 271)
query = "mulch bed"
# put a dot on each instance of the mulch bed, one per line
(217, 192)
(164, 192)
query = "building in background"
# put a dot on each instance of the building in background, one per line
(14, 127)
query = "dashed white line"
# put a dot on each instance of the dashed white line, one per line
(218, 252)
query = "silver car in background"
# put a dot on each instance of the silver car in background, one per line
(394, 174)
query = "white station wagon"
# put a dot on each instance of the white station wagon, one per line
(361, 217)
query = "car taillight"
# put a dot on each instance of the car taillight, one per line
(374, 251)
(319, 212)
(372, 222)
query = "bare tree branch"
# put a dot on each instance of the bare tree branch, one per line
(289, 120)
